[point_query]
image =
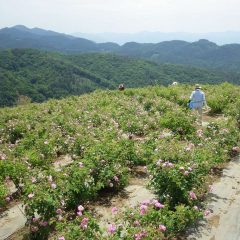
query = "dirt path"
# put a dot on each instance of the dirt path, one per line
(11, 221)
(223, 223)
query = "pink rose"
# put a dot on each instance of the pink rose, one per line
(59, 211)
(206, 213)
(143, 209)
(159, 205)
(84, 223)
(162, 228)
(192, 195)
(112, 228)
(80, 208)
(114, 210)
(116, 179)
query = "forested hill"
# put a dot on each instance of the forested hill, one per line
(43, 75)
(202, 53)
(136, 72)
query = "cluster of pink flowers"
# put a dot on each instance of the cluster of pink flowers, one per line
(116, 179)
(59, 211)
(185, 171)
(164, 164)
(143, 209)
(111, 228)
(80, 210)
(61, 238)
(136, 223)
(206, 212)
(162, 228)
(43, 223)
(139, 236)
(192, 195)
(157, 204)
(84, 223)
(145, 203)
(167, 164)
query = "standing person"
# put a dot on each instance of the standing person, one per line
(198, 100)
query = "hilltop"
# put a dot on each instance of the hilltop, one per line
(62, 156)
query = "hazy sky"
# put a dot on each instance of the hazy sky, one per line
(123, 15)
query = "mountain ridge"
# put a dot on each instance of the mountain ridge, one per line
(220, 38)
(202, 53)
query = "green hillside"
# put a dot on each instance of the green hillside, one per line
(136, 73)
(108, 135)
(43, 75)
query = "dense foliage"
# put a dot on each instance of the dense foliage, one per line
(106, 133)
(138, 73)
(41, 76)
(31, 75)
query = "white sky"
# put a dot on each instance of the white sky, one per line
(123, 15)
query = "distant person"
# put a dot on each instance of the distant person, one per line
(198, 101)
(121, 87)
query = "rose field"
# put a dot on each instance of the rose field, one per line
(104, 137)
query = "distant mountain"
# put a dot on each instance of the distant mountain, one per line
(22, 37)
(43, 75)
(201, 53)
(38, 31)
(220, 38)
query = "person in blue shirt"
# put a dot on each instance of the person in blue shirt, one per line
(198, 101)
